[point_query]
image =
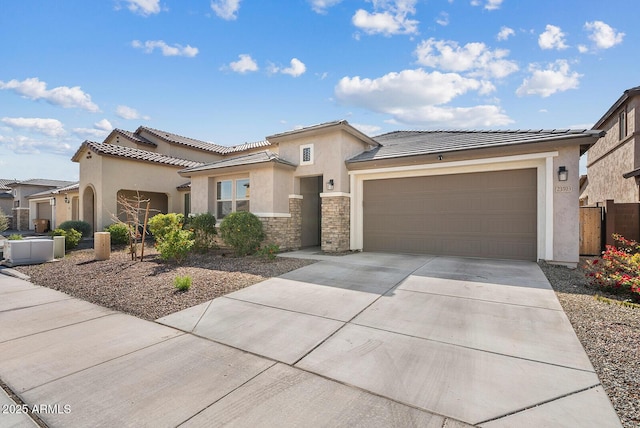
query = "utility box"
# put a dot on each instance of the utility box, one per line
(28, 251)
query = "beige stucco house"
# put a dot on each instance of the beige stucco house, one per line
(613, 163)
(496, 194)
(56, 205)
(37, 199)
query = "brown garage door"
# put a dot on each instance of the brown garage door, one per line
(484, 214)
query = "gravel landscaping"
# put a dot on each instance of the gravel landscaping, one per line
(609, 333)
(145, 289)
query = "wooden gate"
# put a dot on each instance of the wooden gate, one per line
(590, 231)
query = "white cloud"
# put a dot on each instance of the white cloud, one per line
(297, 68)
(144, 7)
(226, 9)
(415, 97)
(488, 4)
(557, 77)
(321, 6)
(603, 35)
(389, 17)
(103, 125)
(244, 64)
(31, 146)
(129, 113)
(583, 49)
(50, 127)
(367, 129)
(176, 50)
(64, 96)
(443, 19)
(552, 38)
(475, 58)
(505, 33)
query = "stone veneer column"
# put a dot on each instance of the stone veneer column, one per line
(295, 222)
(336, 214)
(21, 218)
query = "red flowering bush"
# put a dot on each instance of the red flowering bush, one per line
(618, 268)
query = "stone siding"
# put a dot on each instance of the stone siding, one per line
(336, 214)
(21, 219)
(286, 232)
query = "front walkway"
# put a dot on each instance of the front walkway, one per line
(364, 339)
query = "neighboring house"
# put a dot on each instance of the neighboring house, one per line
(495, 194)
(6, 197)
(613, 163)
(63, 204)
(26, 211)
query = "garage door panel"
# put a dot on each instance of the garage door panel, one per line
(488, 214)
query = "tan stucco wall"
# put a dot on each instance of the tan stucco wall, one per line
(566, 233)
(331, 149)
(611, 157)
(63, 210)
(108, 175)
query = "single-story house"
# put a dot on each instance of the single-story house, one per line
(613, 162)
(27, 209)
(496, 194)
(6, 197)
(56, 205)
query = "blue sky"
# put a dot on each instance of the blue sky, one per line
(232, 71)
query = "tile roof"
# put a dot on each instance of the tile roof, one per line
(413, 143)
(346, 126)
(42, 182)
(181, 140)
(246, 146)
(134, 137)
(185, 186)
(134, 154)
(69, 188)
(250, 159)
(4, 182)
(629, 93)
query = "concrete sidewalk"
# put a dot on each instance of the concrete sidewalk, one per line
(359, 340)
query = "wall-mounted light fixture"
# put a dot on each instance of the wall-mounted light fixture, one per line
(440, 157)
(563, 174)
(330, 184)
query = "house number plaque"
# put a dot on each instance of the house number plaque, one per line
(564, 189)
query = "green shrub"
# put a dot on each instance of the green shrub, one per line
(81, 226)
(120, 233)
(4, 221)
(619, 267)
(15, 237)
(160, 225)
(243, 232)
(204, 230)
(182, 283)
(269, 252)
(71, 237)
(172, 241)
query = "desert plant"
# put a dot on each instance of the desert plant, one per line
(120, 233)
(81, 226)
(4, 221)
(204, 230)
(269, 252)
(243, 232)
(173, 242)
(182, 283)
(15, 237)
(618, 268)
(71, 237)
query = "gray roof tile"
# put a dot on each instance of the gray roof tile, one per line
(413, 143)
(134, 137)
(249, 159)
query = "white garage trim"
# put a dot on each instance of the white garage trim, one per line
(543, 162)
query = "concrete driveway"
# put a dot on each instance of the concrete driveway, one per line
(360, 340)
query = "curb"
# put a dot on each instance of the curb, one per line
(14, 273)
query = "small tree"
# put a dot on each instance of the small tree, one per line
(4, 221)
(132, 209)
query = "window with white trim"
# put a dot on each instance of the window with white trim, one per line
(232, 195)
(306, 154)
